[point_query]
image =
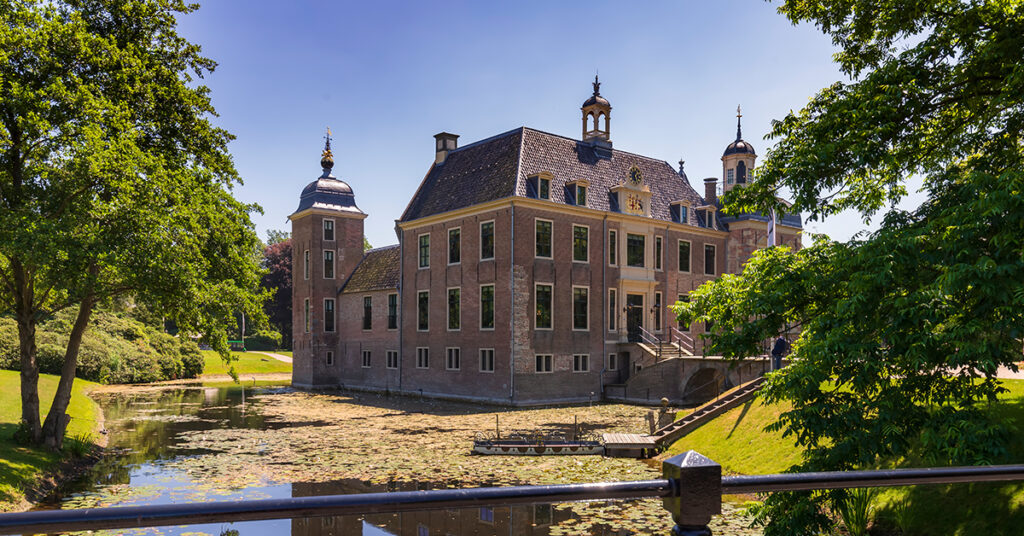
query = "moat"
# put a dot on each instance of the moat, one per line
(204, 443)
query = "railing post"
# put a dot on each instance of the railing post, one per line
(697, 486)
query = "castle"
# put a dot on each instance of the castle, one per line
(531, 268)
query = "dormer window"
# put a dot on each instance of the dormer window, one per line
(581, 195)
(680, 211)
(576, 192)
(543, 188)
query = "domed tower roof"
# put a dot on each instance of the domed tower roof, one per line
(327, 192)
(739, 146)
(596, 98)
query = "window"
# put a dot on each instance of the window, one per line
(454, 361)
(635, 245)
(730, 176)
(487, 240)
(580, 237)
(306, 315)
(422, 530)
(543, 299)
(487, 514)
(367, 312)
(487, 360)
(685, 299)
(708, 326)
(543, 239)
(657, 311)
(392, 311)
(305, 265)
(657, 253)
(684, 214)
(581, 195)
(454, 246)
(423, 311)
(329, 314)
(684, 256)
(741, 172)
(328, 264)
(330, 358)
(581, 363)
(612, 313)
(613, 257)
(328, 230)
(392, 359)
(709, 259)
(613, 362)
(366, 359)
(679, 212)
(423, 358)
(543, 188)
(487, 307)
(424, 251)
(580, 304)
(544, 363)
(454, 309)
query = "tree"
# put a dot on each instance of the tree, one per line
(112, 181)
(275, 235)
(901, 330)
(277, 261)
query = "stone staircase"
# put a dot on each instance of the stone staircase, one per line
(703, 414)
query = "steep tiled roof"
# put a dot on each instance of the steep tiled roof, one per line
(499, 167)
(377, 271)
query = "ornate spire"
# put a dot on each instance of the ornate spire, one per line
(597, 87)
(739, 114)
(327, 158)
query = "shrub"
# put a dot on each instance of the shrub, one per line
(264, 339)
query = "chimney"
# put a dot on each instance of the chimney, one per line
(444, 143)
(711, 190)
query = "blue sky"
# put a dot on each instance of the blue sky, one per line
(387, 76)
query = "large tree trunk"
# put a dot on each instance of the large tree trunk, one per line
(57, 419)
(24, 312)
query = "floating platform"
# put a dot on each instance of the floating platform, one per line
(629, 445)
(513, 447)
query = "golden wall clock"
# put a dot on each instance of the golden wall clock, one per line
(635, 176)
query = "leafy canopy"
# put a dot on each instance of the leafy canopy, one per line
(901, 330)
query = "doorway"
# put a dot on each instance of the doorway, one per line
(634, 316)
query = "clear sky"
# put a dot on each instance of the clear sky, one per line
(387, 76)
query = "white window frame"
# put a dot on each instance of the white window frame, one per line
(586, 196)
(535, 286)
(334, 263)
(329, 358)
(494, 237)
(613, 362)
(367, 355)
(423, 357)
(481, 353)
(679, 268)
(448, 246)
(334, 324)
(494, 311)
(539, 189)
(457, 352)
(334, 230)
(388, 363)
(573, 308)
(659, 260)
(306, 268)
(549, 363)
(577, 359)
(551, 238)
(730, 176)
(613, 315)
(573, 243)
(419, 259)
(448, 310)
(418, 292)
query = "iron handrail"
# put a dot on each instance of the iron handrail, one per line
(377, 503)
(688, 342)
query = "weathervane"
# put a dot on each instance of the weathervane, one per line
(597, 86)
(327, 146)
(739, 114)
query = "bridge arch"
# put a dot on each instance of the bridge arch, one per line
(702, 385)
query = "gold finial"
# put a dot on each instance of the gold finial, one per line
(738, 112)
(327, 146)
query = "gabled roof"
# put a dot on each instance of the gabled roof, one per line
(500, 167)
(377, 271)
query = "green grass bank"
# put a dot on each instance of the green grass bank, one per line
(21, 466)
(737, 440)
(247, 363)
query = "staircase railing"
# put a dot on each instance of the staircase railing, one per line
(683, 340)
(651, 340)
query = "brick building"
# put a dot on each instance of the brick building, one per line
(530, 268)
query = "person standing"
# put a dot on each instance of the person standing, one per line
(780, 349)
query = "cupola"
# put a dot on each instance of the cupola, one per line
(327, 192)
(597, 113)
(738, 159)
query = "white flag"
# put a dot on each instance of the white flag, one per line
(771, 229)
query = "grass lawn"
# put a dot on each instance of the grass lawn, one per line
(246, 363)
(284, 352)
(20, 465)
(737, 440)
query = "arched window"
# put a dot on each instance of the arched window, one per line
(741, 173)
(605, 116)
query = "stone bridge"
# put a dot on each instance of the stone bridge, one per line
(684, 380)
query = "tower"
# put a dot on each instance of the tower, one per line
(597, 112)
(327, 244)
(738, 159)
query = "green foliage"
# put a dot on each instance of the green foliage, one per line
(901, 330)
(117, 348)
(264, 340)
(856, 507)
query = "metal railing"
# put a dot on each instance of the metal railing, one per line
(650, 339)
(684, 341)
(691, 490)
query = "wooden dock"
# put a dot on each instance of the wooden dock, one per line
(628, 445)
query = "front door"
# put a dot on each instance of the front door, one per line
(634, 316)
